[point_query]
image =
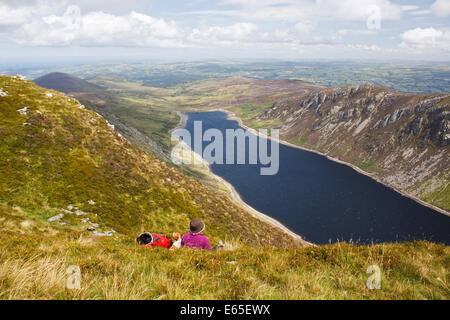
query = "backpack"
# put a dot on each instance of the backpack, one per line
(152, 240)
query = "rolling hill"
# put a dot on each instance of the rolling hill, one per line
(66, 83)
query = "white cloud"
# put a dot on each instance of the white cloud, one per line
(372, 48)
(99, 29)
(292, 10)
(441, 8)
(304, 26)
(409, 8)
(58, 6)
(419, 12)
(359, 10)
(272, 26)
(96, 28)
(10, 16)
(345, 32)
(238, 32)
(13, 15)
(73, 27)
(427, 38)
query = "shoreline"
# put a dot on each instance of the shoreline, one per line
(182, 123)
(232, 116)
(235, 196)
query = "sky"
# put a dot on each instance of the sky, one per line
(46, 31)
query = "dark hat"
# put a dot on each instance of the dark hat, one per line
(197, 226)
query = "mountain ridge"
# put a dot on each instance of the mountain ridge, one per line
(401, 139)
(65, 83)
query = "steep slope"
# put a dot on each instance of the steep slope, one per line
(55, 154)
(401, 139)
(105, 103)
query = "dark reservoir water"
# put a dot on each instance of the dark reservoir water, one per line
(326, 201)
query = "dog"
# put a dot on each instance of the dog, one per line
(145, 238)
(153, 240)
(176, 241)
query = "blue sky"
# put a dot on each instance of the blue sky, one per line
(53, 30)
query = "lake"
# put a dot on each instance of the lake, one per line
(324, 201)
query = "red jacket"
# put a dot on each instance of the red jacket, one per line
(159, 240)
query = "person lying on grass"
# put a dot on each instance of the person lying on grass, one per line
(153, 240)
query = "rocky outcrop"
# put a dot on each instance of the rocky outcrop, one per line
(386, 133)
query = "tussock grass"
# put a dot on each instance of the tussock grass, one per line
(121, 270)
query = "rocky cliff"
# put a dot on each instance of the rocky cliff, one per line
(399, 138)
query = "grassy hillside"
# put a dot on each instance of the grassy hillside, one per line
(148, 130)
(35, 256)
(35, 267)
(58, 154)
(57, 158)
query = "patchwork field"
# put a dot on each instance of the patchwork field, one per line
(418, 77)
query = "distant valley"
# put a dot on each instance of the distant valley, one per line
(418, 77)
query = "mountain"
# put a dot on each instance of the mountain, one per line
(401, 139)
(65, 83)
(74, 194)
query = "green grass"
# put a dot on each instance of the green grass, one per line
(33, 267)
(366, 165)
(301, 141)
(438, 196)
(249, 111)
